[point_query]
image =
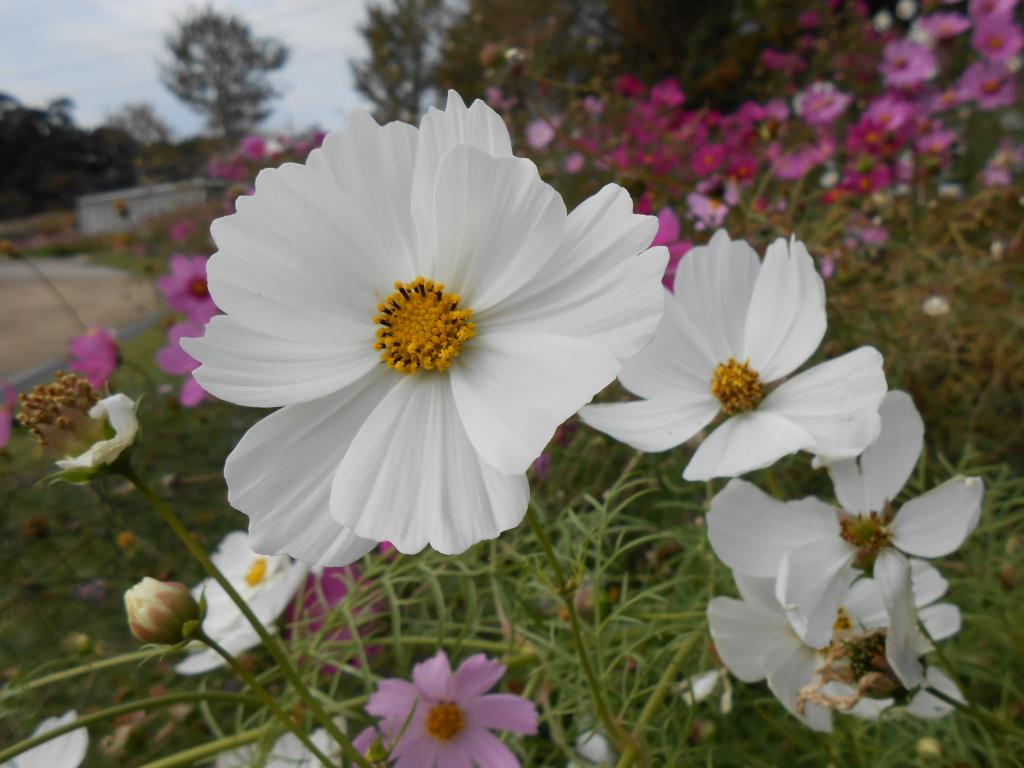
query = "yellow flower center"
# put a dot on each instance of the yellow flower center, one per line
(421, 326)
(445, 721)
(737, 386)
(869, 534)
(257, 572)
(843, 621)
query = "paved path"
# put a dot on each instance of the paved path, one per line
(36, 327)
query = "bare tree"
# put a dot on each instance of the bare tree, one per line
(141, 122)
(220, 69)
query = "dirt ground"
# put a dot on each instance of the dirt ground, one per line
(36, 326)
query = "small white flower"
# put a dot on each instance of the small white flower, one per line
(427, 313)
(117, 411)
(266, 583)
(592, 749)
(287, 752)
(67, 751)
(906, 9)
(699, 688)
(732, 327)
(935, 306)
(882, 21)
(811, 546)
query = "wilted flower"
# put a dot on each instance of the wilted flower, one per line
(447, 716)
(158, 611)
(427, 314)
(733, 326)
(94, 354)
(66, 751)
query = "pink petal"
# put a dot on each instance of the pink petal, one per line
(192, 393)
(393, 698)
(434, 677)
(503, 712)
(454, 755)
(175, 360)
(487, 749)
(668, 227)
(476, 675)
(416, 750)
(5, 426)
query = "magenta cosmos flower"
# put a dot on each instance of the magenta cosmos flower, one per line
(94, 355)
(185, 288)
(906, 64)
(176, 361)
(449, 716)
(668, 235)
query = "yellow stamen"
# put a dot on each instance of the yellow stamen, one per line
(421, 326)
(843, 621)
(257, 572)
(737, 386)
(445, 721)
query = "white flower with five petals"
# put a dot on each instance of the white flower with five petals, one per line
(812, 547)
(734, 326)
(425, 313)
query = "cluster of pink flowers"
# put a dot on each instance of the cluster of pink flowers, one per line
(882, 114)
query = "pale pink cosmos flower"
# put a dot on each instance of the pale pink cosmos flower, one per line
(448, 717)
(889, 112)
(906, 64)
(821, 103)
(176, 361)
(573, 163)
(944, 25)
(185, 288)
(94, 354)
(8, 402)
(540, 132)
(709, 212)
(988, 84)
(997, 38)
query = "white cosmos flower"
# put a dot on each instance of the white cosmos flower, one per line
(427, 440)
(755, 640)
(811, 546)
(66, 751)
(267, 584)
(732, 327)
(287, 752)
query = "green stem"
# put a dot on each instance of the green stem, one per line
(660, 692)
(987, 719)
(268, 640)
(250, 680)
(197, 754)
(95, 717)
(615, 731)
(92, 666)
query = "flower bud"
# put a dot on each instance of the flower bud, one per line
(158, 611)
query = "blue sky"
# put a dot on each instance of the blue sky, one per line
(104, 53)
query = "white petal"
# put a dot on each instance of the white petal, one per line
(67, 751)
(937, 523)
(864, 484)
(512, 391)
(602, 284)
(373, 166)
(750, 531)
(744, 443)
(786, 319)
(835, 403)
(942, 620)
(653, 425)
(892, 574)
(479, 126)
(412, 477)
(714, 284)
(864, 602)
(813, 580)
(496, 223)
(281, 471)
(247, 367)
(759, 592)
(741, 631)
(929, 584)
(929, 707)
(789, 667)
(677, 360)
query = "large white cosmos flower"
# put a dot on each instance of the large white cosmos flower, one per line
(732, 327)
(811, 546)
(426, 313)
(267, 584)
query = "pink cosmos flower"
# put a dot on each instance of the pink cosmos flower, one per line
(997, 38)
(944, 25)
(94, 354)
(573, 163)
(8, 402)
(667, 94)
(906, 64)
(668, 235)
(945, 99)
(983, 8)
(936, 142)
(821, 103)
(181, 230)
(185, 288)
(889, 112)
(871, 234)
(707, 159)
(540, 132)
(988, 84)
(321, 593)
(709, 212)
(450, 716)
(253, 147)
(176, 361)
(992, 175)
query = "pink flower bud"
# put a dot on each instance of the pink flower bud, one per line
(157, 610)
